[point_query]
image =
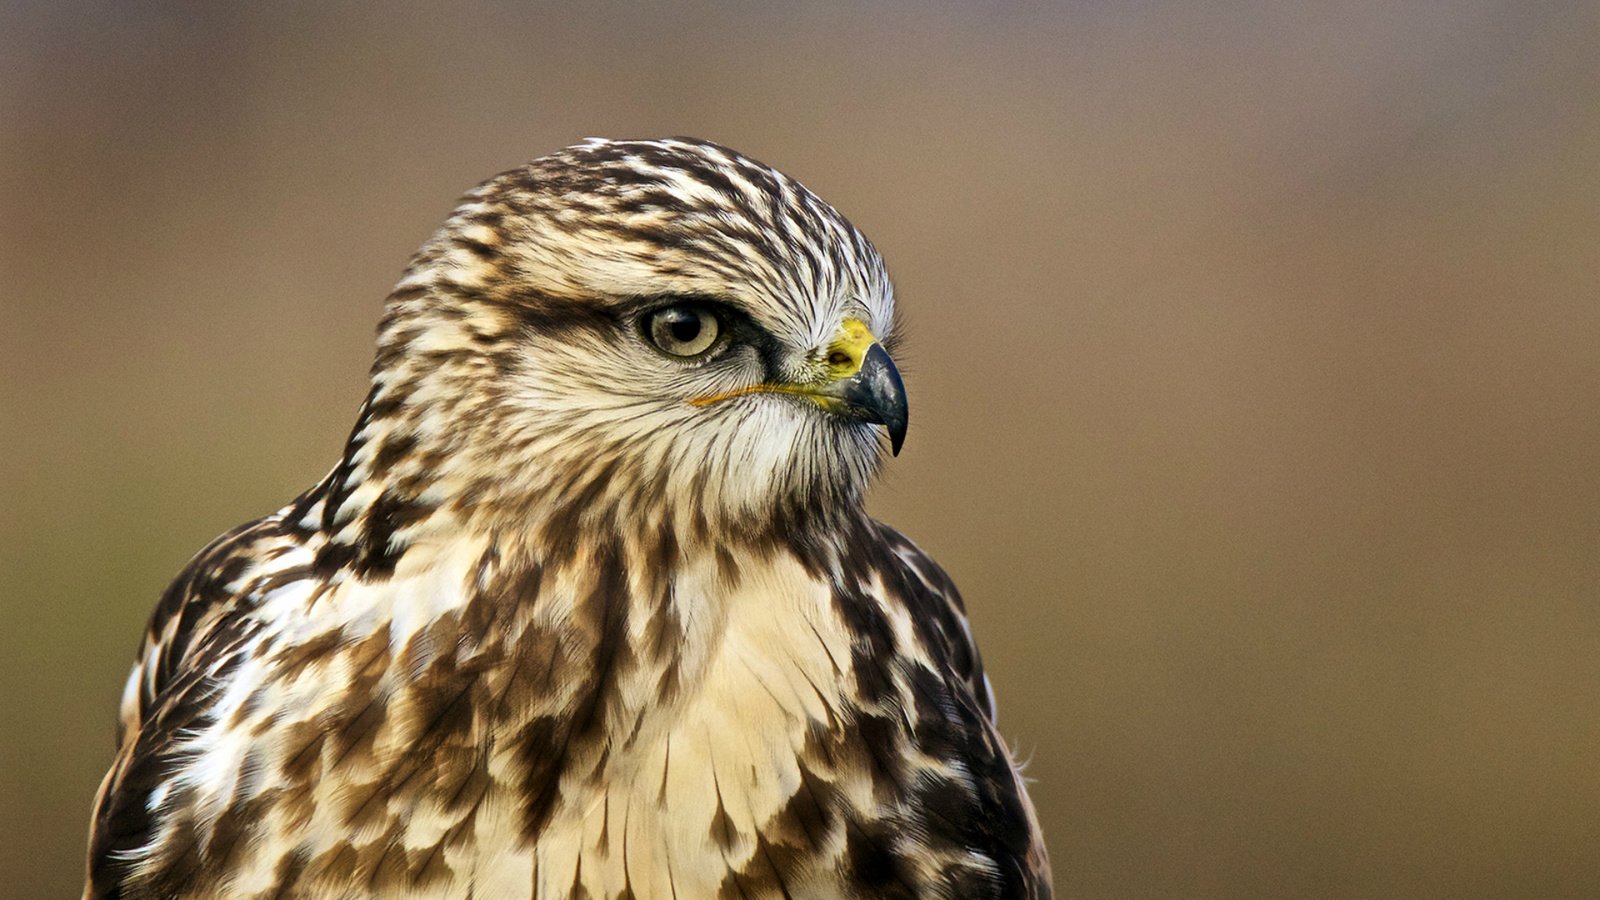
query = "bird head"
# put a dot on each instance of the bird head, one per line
(641, 329)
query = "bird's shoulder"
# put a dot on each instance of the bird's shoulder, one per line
(954, 723)
(196, 633)
(914, 580)
(206, 603)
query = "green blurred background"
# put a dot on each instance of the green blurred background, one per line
(1255, 367)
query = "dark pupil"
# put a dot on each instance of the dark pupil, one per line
(684, 327)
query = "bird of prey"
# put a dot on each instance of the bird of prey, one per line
(590, 605)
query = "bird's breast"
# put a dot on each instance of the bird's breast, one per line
(528, 731)
(707, 739)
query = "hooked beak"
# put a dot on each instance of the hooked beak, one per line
(874, 393)
(861, 384)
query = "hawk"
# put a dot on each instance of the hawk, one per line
(590, 605)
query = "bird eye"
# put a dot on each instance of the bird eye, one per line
(683, 330)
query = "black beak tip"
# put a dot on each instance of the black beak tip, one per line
(879, 390)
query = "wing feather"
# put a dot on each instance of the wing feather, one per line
(1004, 827)
(192, 636)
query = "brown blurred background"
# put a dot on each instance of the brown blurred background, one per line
(1255, 371)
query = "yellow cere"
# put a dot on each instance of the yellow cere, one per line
(843, 360)
(849, 348)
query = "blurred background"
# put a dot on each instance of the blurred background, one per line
(1255, 365)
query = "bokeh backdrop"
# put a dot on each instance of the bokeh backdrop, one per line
(1255, 373)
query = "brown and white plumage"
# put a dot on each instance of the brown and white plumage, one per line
(577, 615)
